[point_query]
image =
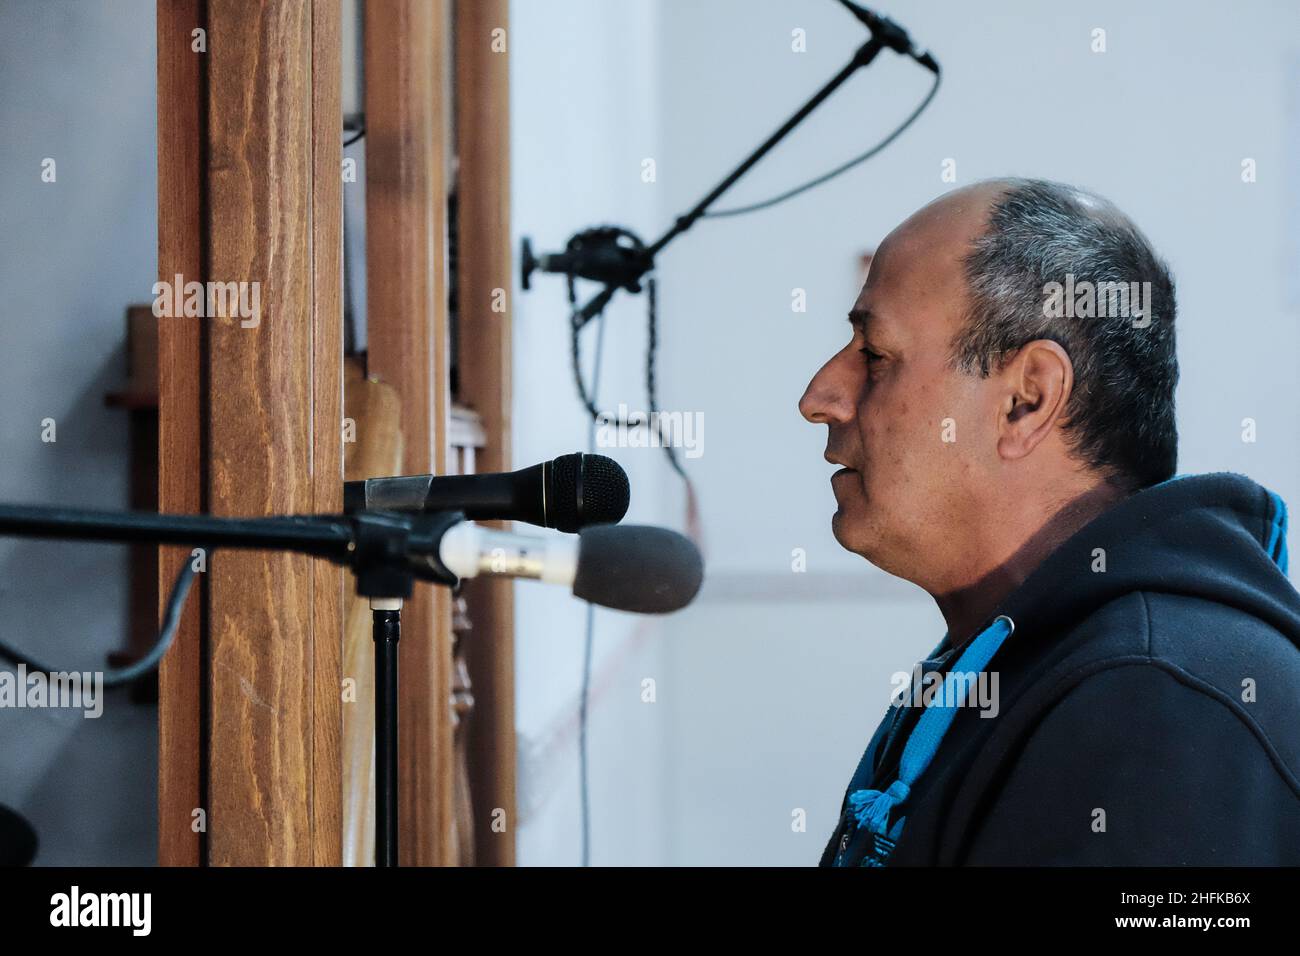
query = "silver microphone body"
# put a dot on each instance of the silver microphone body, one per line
(637, 568)
(469, 550)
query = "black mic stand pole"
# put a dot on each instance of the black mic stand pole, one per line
(861, 59)
(387, 627)
(639, 262)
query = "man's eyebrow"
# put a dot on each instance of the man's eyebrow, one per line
(858, 318)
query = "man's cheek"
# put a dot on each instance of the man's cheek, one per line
(884, 434)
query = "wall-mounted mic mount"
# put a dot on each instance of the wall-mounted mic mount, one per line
(611, 255)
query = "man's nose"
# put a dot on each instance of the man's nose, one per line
(826, 400)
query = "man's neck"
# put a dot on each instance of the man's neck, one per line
(967, 607)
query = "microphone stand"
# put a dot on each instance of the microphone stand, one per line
(861, 59)
(385, 576)
(386, 614)
(386, 553)
(622, 267)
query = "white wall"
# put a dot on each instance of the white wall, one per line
(772, 682)
(78, 83)
(584, 111)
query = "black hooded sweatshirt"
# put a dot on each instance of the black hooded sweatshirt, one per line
(1148, 705)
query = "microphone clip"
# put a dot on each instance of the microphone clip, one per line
(888, 35)
(611, 255)
(389, 550)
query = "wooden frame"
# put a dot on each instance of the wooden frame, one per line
(406, 322)
(182, 82)
(485, 280)
(250, 414)
(250, 423)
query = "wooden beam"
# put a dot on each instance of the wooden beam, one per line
(328, 582)
(274, 427)
(484, 333)
(406, 328)
(251, 406)
(181, 192)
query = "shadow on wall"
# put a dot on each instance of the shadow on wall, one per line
(87, 785)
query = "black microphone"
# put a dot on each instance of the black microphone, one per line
(635, 568)
(567, 493)
(891, 35)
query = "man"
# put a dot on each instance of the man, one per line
(1004, 420)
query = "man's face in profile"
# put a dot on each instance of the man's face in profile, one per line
(913, 436)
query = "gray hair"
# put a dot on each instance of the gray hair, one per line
(1043, 236)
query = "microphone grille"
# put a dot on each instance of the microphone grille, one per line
(586, 490)
(637, 568)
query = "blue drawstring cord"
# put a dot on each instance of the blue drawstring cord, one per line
(1277, 536)
(873, 807)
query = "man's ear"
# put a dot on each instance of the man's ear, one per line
(1038, 381)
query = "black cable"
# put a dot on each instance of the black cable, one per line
(359, 133)
(586, 396)
(652, 397)
(844, 168)
(653, 421)
(132, 672)
(652, 310)
(652, 335)
(576, 323)
(590, 630)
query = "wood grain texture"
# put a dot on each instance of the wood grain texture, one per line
(405, 91)
(181, 187)
(274, 619)
(329, 582)
(485, 279)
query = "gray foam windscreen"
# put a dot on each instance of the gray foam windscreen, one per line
(637, 568)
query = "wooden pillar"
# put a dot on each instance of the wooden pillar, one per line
(406, 322)
(485, 281)
(329, 584)
(182, 693)
(265, 437)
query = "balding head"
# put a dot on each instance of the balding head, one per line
(924, 258)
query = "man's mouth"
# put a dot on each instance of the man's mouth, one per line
(843, 471)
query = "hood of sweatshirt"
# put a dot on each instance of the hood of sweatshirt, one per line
(1219, 537)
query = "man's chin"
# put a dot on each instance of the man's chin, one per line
(858, 537)
(856, 534)
(848, 533)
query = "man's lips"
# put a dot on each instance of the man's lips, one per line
(844, 469)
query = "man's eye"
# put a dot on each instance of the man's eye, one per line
(871, 356)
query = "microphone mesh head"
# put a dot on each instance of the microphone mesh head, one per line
(637, 568)
(586, 490)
